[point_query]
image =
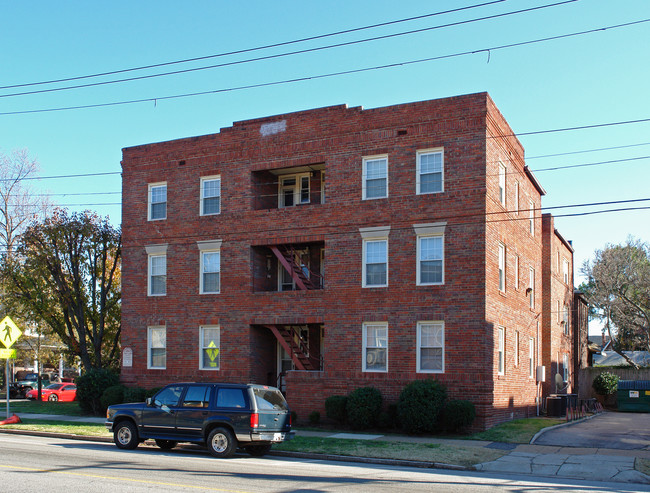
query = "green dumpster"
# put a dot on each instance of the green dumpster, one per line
(633, 395)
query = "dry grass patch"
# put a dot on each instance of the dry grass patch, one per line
(84, 429)
(642, 465)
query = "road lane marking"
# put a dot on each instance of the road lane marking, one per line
(119, 478)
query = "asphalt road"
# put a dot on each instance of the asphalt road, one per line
(35, 464)
(613, 430)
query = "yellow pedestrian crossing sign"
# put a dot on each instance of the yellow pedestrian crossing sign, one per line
(9, 333)
(213, 352)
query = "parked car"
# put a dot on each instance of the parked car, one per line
(64, 392)
(221, 416)
(30, 381)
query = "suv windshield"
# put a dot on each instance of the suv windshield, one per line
(269, 399)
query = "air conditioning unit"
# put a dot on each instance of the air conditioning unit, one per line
(541, 373)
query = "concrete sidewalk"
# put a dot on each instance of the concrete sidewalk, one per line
(596, 464)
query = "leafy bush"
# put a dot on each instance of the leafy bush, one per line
(335, 408)
(113, 395)
(134, 394)
(420, 404)
(606, 383)
(90, 387)
(151, 392)
(458, 414)
(387, 419)
(363, 407)
(314, 417)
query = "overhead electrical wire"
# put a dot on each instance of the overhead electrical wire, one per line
(280, 55)
(331, 74)
(249, 50)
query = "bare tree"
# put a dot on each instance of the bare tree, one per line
(18, 203)
(618, 288)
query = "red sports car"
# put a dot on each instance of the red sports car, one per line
(55, 392)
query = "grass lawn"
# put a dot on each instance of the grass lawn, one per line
(69, 408)
(85, 429)
(517, 431)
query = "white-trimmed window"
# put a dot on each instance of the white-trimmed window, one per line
(516, 271)
(430, 347)
(565, 270)
(210, 347)
(430, 269)
(531, 288)
(516, 198)
(210, 195)
(375, 177)
(517, 348)
(501, 350)
(156, 348)
(210, 266)
(531, 358)
(531, 217)
(375, 256)
(502, 267)
(430, 168)
(502, 184)
(294, 190)
(565, 319)
(156, 270)
(375, 346)
(157, 201)
(565, 367)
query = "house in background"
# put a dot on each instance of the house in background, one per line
(337, 248)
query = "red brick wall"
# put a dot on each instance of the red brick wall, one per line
(474, 136)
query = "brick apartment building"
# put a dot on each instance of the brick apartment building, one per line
(335, 248)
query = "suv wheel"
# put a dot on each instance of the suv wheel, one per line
(166, 444)
(258, 450)
(126, 435)
(221, 442)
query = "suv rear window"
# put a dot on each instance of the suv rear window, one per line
(231, 398)
(270, 399)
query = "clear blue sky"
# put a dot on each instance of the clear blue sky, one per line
(590, 79)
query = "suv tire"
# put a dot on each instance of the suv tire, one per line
(125, 435)
(221, 443)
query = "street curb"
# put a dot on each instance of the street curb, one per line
(561, 425)
(277, 453)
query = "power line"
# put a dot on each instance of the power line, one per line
(280, 55)
(327, 75)
(588, 150)
(258, 48)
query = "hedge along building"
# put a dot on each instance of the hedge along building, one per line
(337, 248)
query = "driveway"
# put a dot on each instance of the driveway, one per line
(613, 430)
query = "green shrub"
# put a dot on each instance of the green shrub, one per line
(335, 408)
(314, 417)
(151, 392)
(458, 415)
(294, 417)
(606, 383)
(387, 419)
(420, 405)
(135, 394)
(363, 407)
(113, 395)
(90, 387)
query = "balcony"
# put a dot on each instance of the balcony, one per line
(289, 187)
(288, 267)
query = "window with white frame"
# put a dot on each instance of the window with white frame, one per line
(430, 347)
(502, 267)
(375, 347)
(157, 201)
(210, 265)
(565, 270)
(502, 184)
(531, 217)
(517, 348)
(157, 348)
(516, 271)
(565, 319)
(156, 270)
(531, 288)
(517, 198)
(210, 347)
(501, 350)
(430, 168)
(375, 256)
(375, 177)
(565, 367)
(210, 195)
(531, 357)
(430, 269)
(294, 190)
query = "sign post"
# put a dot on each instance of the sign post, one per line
(9, 334)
